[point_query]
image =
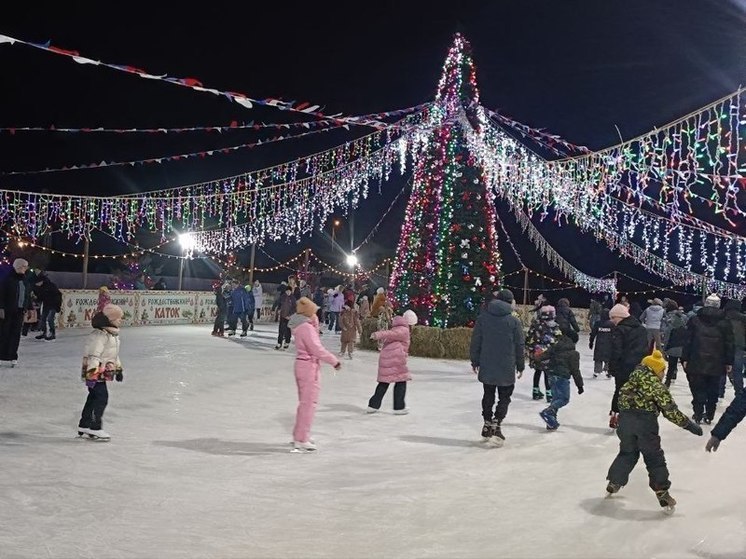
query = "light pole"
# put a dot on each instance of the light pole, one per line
(186, 240)
(335, 224)
(352, 262)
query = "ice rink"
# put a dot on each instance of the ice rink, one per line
(199, 464)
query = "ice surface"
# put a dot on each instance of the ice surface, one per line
(199, 464)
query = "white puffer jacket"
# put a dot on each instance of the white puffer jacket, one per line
(101, 357)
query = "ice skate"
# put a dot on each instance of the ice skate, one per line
(98, 435)
(497, 439)
(549, 396)
(371, 410)
(82, 431)
(40, 336)
(612, 488)
(707, 420)
(244, 334)
(231, 332)
(538, 394)
(666, 501)
(13, 363)
(251, 327)
(305, 447)
(286, 346)
(278, 347)
(550, 419)
(404, 411)
(697, 419)
(51, 338)
(595, 375)
(487, 429)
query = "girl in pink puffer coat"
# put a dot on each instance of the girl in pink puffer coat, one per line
(392, 363)
(309, 353)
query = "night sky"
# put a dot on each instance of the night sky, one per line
(575, 68)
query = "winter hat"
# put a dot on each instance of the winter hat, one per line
(564, 302)
(671, 305)
(713, 301)
(380, 290)
(655, 301)
(619, 311)
(655, 362)
(103, 288)
(112, 312)
(411, 317)
(306, 307)
(505, 295)
(19, 263)
(547, 310)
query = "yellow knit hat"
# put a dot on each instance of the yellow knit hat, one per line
(655, 362)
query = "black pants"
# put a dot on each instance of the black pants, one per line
(283, 335)
(503, 401)
(219, 326)
(400, 390)
(95, 404)
(245, 319)
(705, 389)
(10, 335)
(537, 378)
(672, 366)
(638, 434)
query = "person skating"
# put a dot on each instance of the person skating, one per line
(258, 292)
(601, 335)
(642, 397)
(707, 356)
(308, 354)
(732, 416)
(651, 318)
(542, 333)
(351, 328)
(629, 344)
(104, 298)
(737, 321)
(51, 303)
(101, 364)
(673, 337)
(286, 308)
(336, 302)
(561, 361)
(565, 316)
(243, 309)
(497, 358)
(392, 363)
(221, 292)
(15, 298)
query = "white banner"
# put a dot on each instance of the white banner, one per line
(140, 307)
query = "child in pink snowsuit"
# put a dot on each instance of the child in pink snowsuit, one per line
(309, 352)
(392, 363)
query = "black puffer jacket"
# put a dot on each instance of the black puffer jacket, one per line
(563, 360)
(565, 315)
(49, 295)
(601, 335)
(629, 344)
(738, 322)
(497, 345)
(9, 286)
(710, 343)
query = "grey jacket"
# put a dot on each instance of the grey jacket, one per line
(497, 345)
(652, 316)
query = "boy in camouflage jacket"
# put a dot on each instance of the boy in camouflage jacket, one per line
(641, 399)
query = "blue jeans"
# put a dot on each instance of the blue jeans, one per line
(560, 392)
(334, 321)
(47, 322)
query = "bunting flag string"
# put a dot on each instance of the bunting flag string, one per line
(242, 99)
(556, 144)
(167, 158)
(234, 125)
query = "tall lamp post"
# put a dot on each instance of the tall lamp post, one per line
(335, 224)
(186, 240)
(352, 262)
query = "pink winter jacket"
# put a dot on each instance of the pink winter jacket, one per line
(392, 363)
(308, 348)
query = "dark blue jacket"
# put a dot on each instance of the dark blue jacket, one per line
(730, 418)
(243, 301)
(497, 345)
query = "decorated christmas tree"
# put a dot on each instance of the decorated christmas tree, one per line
(447, 258)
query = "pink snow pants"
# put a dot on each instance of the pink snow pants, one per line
(307, 377)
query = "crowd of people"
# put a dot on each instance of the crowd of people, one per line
(641, 350)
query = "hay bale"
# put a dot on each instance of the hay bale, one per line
(425, 342)
(370, 325)
(456, 342)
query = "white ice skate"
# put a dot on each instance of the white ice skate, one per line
(14, 363)
(97, 435)
(307, 446)
(405, 411)
(371, 410)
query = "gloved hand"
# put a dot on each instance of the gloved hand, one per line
(119, 377)
(693, 428)
(338, 366)
(2, 314)
(581, 390)
(713, 444)
(590, 346)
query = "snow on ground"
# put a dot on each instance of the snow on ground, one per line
(199, 464)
